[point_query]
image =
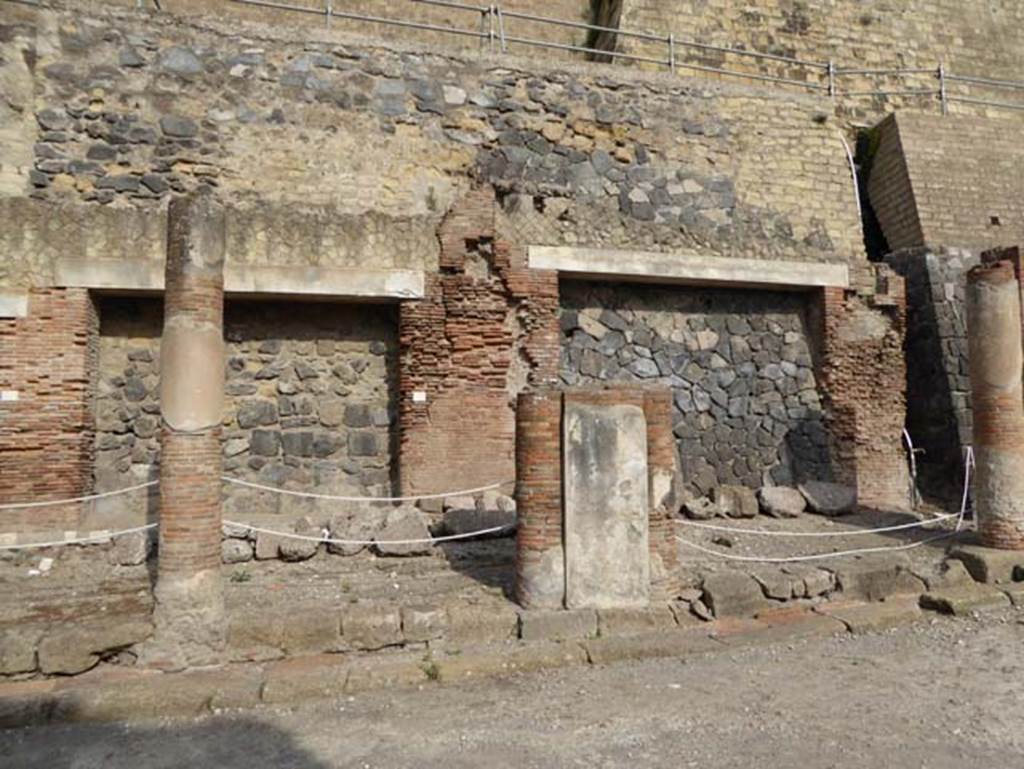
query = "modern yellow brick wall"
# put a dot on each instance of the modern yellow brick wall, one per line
(951, 181)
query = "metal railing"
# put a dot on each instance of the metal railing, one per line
(825, 77)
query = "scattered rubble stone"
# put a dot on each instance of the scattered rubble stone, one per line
(131, 549)
(829, 498)
(701, 509)
(358, 525)
(292, 549)
(781, 501)
(235, 551)
(733, 594)
(736, 501)
(403, 523)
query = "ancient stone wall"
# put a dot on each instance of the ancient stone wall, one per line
(938, 390)
(951, 182)
(972, 38)
(130, 108)
(746, 404)
(310, 400)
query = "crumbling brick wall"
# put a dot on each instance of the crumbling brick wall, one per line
(863, 374)
(486, 328)
(49, 359)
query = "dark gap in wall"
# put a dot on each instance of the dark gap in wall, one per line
(875, 244)
(603, 13)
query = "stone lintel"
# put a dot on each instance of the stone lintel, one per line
(13, 304)
(692, 269)
(264, 280)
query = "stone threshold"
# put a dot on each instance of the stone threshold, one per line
(128, 694)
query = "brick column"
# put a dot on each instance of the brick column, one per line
(189, 613)
(665, 483)
(540, 555)
(994, 343)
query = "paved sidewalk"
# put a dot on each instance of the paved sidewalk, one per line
(940, 694)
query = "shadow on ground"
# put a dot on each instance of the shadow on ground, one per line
(225, 744)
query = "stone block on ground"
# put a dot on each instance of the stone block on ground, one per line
(701, 509)
(965, 600)
(816, 582)
(235, 551)
(781, 501)
(460, 503)
(829, 498)
(736, 501)
(401, 525)
(987, 564)
(71, 649)
(18, 648)
(293, 549)
(357, 525)
(556, 625)
(875, 616)
(502, 659)
(371, 626)
(482, 623)
(268, 545)
(666, 643)
(130, 549)
(733, 594)
(375, 672)
(949, 573)
(458, 522)
(874, 578)
(633, 621)
(424, 623)
(778, 585)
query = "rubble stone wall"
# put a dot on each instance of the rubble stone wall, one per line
(747, 408)
(938, 389)
(310, 399)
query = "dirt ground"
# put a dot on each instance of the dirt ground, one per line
(941, 694)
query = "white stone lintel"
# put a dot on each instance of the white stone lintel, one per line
(13, 304)
(692, 269)
(264, 280)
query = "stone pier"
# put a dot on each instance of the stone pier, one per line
(596, 484)
(189, 613)
(994, 339)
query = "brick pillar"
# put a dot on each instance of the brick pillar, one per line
(189, 612)
(540, 556)
(665, 483)
(994, 343)
(863, 375)
(49, 358)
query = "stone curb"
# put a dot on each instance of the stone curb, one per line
(130, 694)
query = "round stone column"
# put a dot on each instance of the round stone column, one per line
(189, 612)
(994, 342)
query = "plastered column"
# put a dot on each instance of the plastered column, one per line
(994, 342)
(189, 613)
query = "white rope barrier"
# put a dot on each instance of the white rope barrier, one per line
(93, 538)
(815, 556)
(849, 533)
(73, 500)
(339, 498)
(331, 541)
